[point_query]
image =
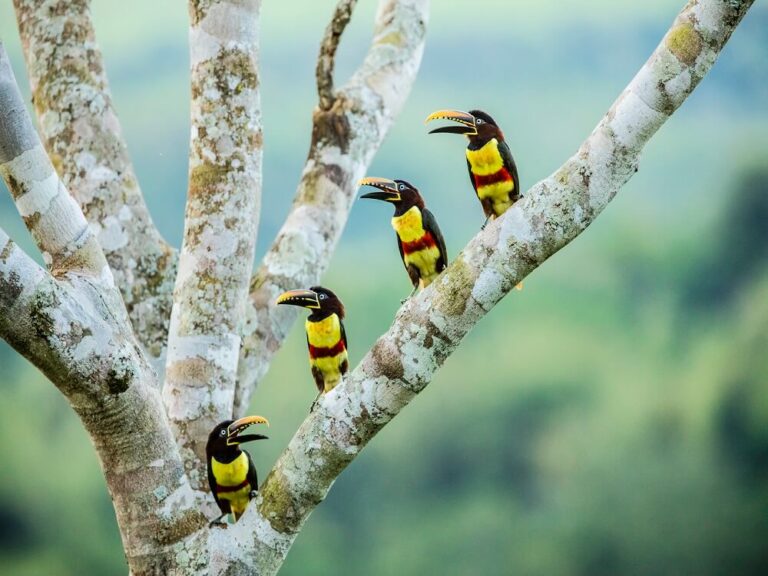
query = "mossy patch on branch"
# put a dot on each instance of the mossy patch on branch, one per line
(451, 296)
(205, 176)
(277, 504)
(684, 42)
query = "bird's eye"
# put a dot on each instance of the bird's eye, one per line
(402, 186)
(223, 432)
(479, 121)
(322, 296)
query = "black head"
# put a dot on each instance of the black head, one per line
(476, 125)
(319, 300)
(226, 436)
(402, 194)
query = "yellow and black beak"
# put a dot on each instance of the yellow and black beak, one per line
(389, 191)
(303, 298)
(234, 429)
(467, 127)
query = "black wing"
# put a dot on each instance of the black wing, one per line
(223, 504)
(343, 334)
(509, 164)
(253, 477)
(402, 253)
(344, 368)
(430, 225)
(471, 176)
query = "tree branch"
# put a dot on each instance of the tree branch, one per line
(220, 226)
(70, 330)
(73, 326)
(430, 326)
(344, 141)
(326, 61)
(50, 213)
(82, 134)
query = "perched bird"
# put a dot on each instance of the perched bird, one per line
(231, 473)
(326, 339)
(421, 244)
(492, 169)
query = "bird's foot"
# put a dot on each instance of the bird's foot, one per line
(404, 300)
(218, 522)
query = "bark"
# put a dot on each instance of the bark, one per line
(82, 134)
(222, 211)
(326, 61)
(345, 136)
(72, 324)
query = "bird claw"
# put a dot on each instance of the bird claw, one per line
(218, 523)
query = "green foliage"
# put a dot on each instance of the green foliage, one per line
(739, 248)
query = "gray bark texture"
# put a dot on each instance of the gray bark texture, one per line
(102, 319)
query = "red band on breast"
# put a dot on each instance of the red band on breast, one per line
(221, 489)
(426, 241)
(323, 352)
(502, 175)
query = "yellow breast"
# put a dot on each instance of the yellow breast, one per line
(409, 226)
(325, 333)
(238, 501)
(330, 366)
(230, 473)
(499, 193)
(487, 159)
(426, 261)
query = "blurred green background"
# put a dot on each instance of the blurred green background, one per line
(611, 418)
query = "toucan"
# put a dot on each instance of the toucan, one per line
(326, 339)
(492, 169)
(421, 244)
(231, 473)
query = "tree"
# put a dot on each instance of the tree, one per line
(153, 347)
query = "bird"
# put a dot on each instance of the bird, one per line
(421, 244)
(231, 474)
(326, 338)
(492, 169)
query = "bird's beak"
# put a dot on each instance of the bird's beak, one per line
(234, 429)
(465, 119)
(388, 189)
(304, 298)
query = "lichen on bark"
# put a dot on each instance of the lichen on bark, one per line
(83, 137)
(220, 224)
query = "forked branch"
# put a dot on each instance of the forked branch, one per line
(83, 137)
(430, 326)
(72, 324)
(344, 141)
